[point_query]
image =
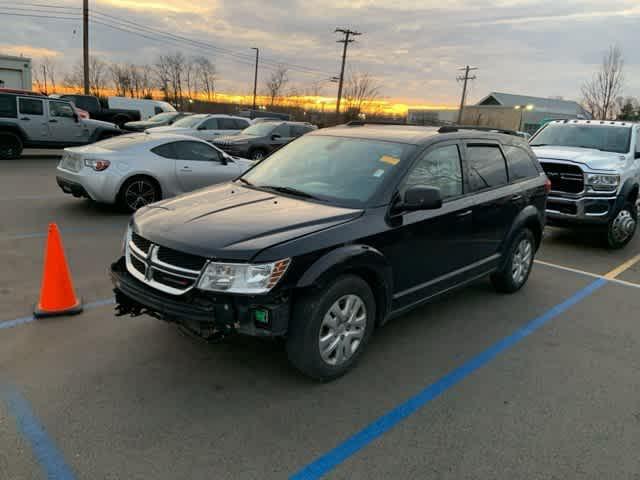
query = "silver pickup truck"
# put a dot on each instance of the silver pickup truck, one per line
(594, 168)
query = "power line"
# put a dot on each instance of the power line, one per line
(127, 26)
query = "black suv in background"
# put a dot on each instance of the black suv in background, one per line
(260, 139)
(335, 234)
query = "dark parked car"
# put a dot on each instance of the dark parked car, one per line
(159, 120)
(92, 104)
(335, 234)
(259, 140)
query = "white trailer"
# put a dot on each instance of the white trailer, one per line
(15, 72)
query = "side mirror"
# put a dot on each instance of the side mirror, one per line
(76, 117)
(637, 155)
(421, 198)
(275, 136)
(202, 127)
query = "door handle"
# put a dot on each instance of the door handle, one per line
(186, 169)
(464, 214)
(25, 119)
(516, 198)
(53, 121)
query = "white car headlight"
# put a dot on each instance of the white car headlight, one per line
(243, 277)
(603, 181)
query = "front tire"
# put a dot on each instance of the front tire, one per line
(10, 146)
(138, 192)
(329, 330)
(622, 227)
(517, 268)
(258, 154)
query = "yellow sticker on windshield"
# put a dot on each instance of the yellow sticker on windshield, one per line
(390, 160)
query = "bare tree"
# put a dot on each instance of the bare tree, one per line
(360, 89)
(190, 77)
(121, 78)
(206, 76)
(276, 83)
(600, 92)
(45, 75)
(97, 76)
(170, 73)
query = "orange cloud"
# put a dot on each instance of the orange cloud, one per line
(28, 51)
(169, 6)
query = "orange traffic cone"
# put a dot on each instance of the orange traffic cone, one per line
(57, 296)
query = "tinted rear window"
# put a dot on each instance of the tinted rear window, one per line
(520, 164)
(31, 106)
(486, 167)
(8, 106)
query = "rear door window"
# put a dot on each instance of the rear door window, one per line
(31, 106)
(283, 130)
(227, 124)
(487, 168)
(211, 124)
(165, 150)
(8, 106)
(519, 163)
(241, 124)
(299, 130)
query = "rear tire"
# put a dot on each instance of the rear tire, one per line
(329, 330)
(138, 192)
(622, 227)
(10, 146)
(516, 270)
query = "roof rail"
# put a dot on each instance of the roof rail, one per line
(457, 128)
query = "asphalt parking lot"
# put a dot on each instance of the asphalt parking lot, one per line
(543, 384)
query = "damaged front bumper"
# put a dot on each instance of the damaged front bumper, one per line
(209, 315)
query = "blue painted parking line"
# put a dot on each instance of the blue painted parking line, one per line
(364, 437)
(47, 454)
(16, 322)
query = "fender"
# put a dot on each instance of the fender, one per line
(13, 128)
(100, 130)
(626, 189)
(528, 217)
(359, 258)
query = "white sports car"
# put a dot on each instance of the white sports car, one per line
(141, 168)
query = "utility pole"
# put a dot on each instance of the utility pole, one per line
(255, 79)
(346, 40)
(85, 44)
(464, 79)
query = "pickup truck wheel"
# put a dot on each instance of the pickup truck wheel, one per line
(330, 329)
(138, 192)
(517, 268)
(622, 227)
(10, 146)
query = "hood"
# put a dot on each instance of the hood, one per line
(99, 123)
(232, 222)
(141, 125)
(240, 138)
(591, 158)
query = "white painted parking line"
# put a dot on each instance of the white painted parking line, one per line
(608, 276)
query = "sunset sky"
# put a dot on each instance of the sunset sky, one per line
(413, 48)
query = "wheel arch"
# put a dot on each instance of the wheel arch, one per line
(360, 260)
(135, 175)
(529, 217)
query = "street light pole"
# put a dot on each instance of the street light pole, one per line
(85, 45)
(255, 80)
(522, 108)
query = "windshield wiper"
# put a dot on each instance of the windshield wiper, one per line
(289, 190)
(245, 181)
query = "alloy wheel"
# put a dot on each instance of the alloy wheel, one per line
(623, 226)
(342, 330)
(522, 259)
(140, 193)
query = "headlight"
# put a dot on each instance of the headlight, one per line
(242, 277)
(602, 181)
(97, 165)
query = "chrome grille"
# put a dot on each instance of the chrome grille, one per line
(162, 268)
(564, 178)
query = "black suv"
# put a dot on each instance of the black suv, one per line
(335, 234)
(260, 139)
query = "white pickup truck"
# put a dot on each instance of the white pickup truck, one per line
(594, 168)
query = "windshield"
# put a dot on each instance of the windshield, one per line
(162, 117)
(600, 137)
(189, 122)
(343, 170)
(260, 129)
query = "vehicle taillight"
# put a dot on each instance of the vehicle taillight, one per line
(547, 186)
(97, 165)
